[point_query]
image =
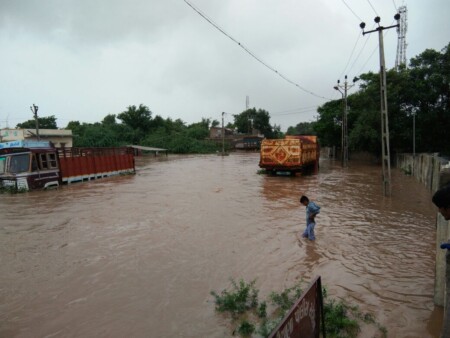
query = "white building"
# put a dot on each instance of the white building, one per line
(59, 137)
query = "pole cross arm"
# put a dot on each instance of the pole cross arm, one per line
(380, 29)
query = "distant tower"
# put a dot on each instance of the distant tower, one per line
(247, 102)
(401, 30)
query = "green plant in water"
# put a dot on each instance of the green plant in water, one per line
(243, 297)
(286, 298)
(246, 328)
(341, 319)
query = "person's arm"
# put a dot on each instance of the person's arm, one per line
(313, 211)
(312, 216)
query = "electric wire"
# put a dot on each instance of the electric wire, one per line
(351, 10)
(359, 54)
(295, 111)
(395, 6)
(252, 54)
(372, 7)
(351, 54)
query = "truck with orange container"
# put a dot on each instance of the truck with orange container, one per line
(289, 155)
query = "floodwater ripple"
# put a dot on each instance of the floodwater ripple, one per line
(138, 255)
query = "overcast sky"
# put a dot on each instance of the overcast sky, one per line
(81, 60)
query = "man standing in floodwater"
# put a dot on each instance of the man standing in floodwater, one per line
(312, 209)
(441, 199)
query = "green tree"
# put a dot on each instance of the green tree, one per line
(138, 118)
(251, 119)
(420, 91)
(200, 130)
(109, 120)
(429, 76)
(329, 125)
(302, 128)
(48, 122)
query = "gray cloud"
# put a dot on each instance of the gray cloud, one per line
(82, 60)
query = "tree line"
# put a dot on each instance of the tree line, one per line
(418, 105)
(136, 125)
(418, 102)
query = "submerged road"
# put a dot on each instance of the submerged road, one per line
(138, 255)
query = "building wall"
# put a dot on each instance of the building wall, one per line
(59, 137)
(216, 132)
(433, 172)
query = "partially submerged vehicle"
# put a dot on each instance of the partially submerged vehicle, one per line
(26, 165)
(289, 155)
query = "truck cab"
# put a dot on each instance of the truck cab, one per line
(26, 165)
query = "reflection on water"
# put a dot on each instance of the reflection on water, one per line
(138, 255)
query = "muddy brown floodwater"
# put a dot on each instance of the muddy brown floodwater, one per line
(137, 256)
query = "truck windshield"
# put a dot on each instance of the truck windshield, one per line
(19, 163)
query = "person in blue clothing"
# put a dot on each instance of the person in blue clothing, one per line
(312, 209)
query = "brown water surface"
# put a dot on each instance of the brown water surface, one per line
(138, 255)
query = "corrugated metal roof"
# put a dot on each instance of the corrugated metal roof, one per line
(147, 148)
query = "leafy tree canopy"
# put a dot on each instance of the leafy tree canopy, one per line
(251, 119)
(138, 118)
(302, 128)
(418, 103)
(48, 122)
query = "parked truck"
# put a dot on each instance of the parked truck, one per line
(289, 155)
(27, 165)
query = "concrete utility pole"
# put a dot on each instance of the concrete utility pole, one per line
(384, 111)
(34, 109)
(223, 135)
(344, 138)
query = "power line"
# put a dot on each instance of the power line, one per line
(372, 7)
(296, 111)
(395, 6)
(368, 59)
(351, 10)
(351, 54)
(252, 54)
(359, 54)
